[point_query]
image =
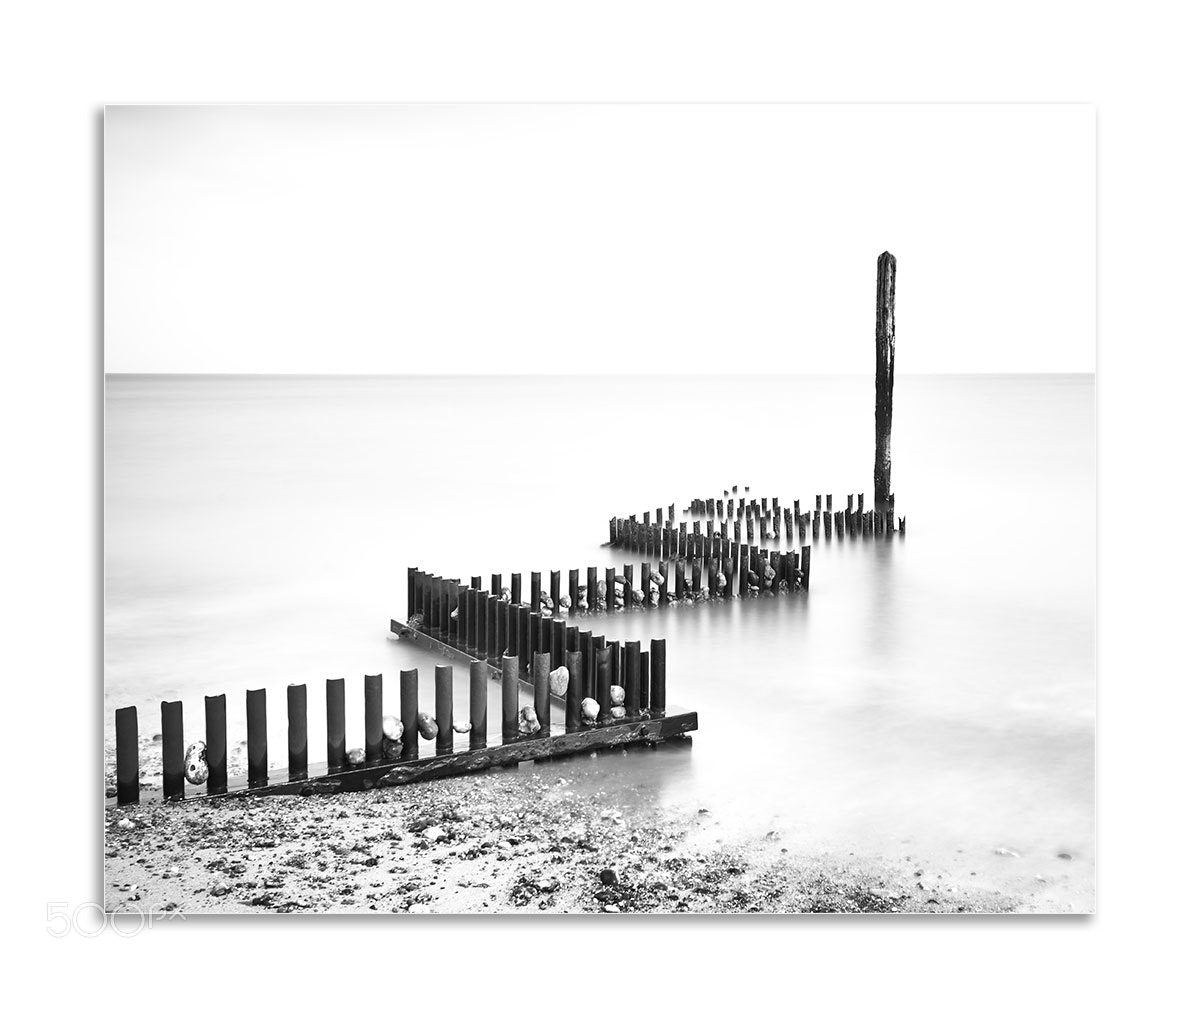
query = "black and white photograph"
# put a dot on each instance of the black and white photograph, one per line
(599, 508)
(658, 505)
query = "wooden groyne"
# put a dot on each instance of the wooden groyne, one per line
(611, 694)
(717, 526)
(388, 762)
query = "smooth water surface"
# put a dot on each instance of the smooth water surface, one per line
(931, 697)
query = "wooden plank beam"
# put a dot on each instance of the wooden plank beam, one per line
(534, 747)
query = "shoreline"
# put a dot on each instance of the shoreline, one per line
(504, 842)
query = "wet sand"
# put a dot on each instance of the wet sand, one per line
(509, 841)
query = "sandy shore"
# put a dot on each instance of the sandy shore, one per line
(508, 841)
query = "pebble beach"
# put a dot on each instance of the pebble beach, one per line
(509, 841)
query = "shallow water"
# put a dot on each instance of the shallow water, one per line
(931, 697)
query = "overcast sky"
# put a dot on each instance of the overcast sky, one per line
(487, 239)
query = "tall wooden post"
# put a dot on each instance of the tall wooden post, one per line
(885, 363)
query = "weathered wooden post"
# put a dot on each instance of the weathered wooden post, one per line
(604, 658)
(256, 737)
(489, 634)
(515, 589)
(172, 746)
(463, 620)
(574, 688)
(610, 589)
(443, 705)
(335, 723)
(591, 588)
(541, 691)
(297, 703)
(127, 755)
(510, 703)
(585, 675)
(497, 584)
(885, 363)
(479, 704)
(555, 590)
(521, 651)
(572, 590)
(373, 717)
(408, 712)
(633, 677)
(805, 565)
(214, 736)
(514, 629)
(476, 628)
(658, 675)
(466, 622)
(558, 637)
(535, 592)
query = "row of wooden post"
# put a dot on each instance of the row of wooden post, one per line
(593, 666)
(492, 629)
(489, 625)
(671, 542)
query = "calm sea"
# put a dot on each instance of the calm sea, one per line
(930, 699)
